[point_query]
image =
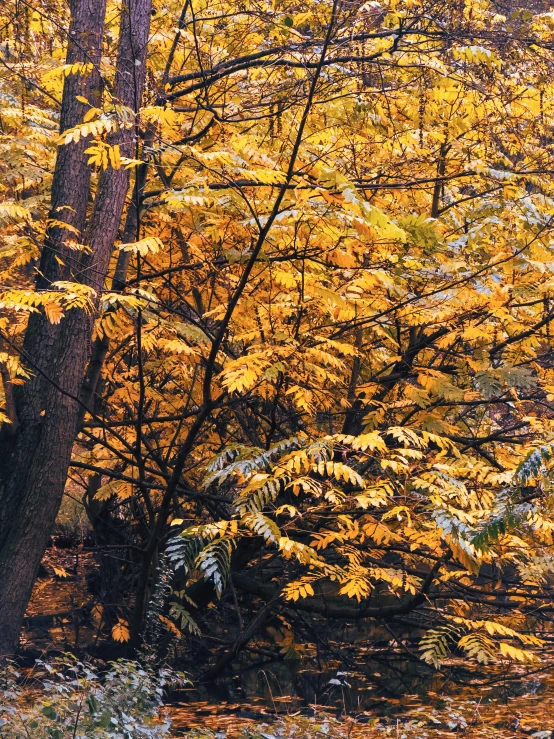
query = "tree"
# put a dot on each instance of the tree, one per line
(321, 366)
(38, 441)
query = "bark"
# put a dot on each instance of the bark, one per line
(101, 346)
(36, 459)
(70, 193)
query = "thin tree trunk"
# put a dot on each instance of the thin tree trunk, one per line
(41, 450)
(100, 346)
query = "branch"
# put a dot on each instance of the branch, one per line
(251, 630)
(330, 610)
(523, 334)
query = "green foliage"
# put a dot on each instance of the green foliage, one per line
(78, 701)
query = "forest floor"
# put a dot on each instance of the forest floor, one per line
(473, 716)
(501, 702)
(61, 613)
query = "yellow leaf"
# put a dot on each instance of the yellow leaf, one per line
(151, 244)
(521, 655)
(120, 632)
(54, 312)
(169, 625)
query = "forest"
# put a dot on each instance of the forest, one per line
(276, 368)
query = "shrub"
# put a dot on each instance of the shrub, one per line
(68, 699)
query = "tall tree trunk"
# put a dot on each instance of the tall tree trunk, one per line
(70, 195)
(36, 458)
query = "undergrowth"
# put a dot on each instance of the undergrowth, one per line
(68, 699)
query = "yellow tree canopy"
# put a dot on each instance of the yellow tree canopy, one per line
(328, 333)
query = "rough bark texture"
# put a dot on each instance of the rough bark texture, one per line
(35, 459)
(70, 194)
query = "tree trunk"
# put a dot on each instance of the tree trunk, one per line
(101, 346)
(70, 194)
(36, 458)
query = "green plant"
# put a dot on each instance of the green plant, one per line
(68, 699)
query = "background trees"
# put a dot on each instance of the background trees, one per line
(317, 330)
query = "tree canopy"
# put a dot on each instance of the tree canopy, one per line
(276, 300)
